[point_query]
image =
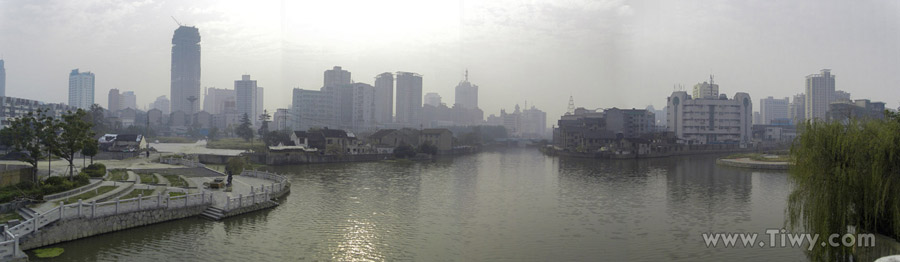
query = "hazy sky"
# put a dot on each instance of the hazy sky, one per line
(604, 53)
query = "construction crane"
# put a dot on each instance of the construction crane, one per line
(176, 21)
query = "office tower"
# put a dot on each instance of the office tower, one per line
(819, 94)
(2, 78)
(409, 98)
(774, 110)
(162, 103)
(81, 89)
(128, 100)
(216, 99)
(337, 77)
(247, 98)
(185, 90)
(114, 98)
(312, 108)
(433, 99)
(798, 109)
(706, 90)
(467, 94)
(384, 98)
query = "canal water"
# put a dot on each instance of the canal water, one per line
(513, 205)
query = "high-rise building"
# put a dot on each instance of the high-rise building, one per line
(706, 90)
(466, 94)
(114, 99)
(312, 108)
(2, 78)
(433, 99)
(798, 109)
(247, 97)
(337, 77)
(384, 99)
(281, 119)
(81, 89)
(774, 110)
(841, 96)
(128, 100)
(409, 98)
(162, 103)
(819, 94)
(363, 107)
(216, 99)
(185, 90)
(708, 120)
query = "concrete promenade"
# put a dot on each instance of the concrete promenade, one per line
(56, 221)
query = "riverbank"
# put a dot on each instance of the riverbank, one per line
(753, 164)
(50, 223)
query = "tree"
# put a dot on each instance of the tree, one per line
(97, 116)
(273, 138)
(74, 132)
(333, 149)
(243, 130)
(213, 133)
(404, 151)
(235, 165)
(25, 130)
(264, 126)
(428, 148)
(91, 148)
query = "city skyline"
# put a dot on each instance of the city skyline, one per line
(608, 69)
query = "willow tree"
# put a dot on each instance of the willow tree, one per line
(846, 175)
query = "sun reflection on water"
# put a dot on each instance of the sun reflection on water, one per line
(357, 242)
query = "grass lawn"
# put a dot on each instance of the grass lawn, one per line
(117, 175)
(175, 194)
(147, 178)
(134, 193)
(89, 194)
(174, 140)
(10, 216)
(761, 157)
(176, 181)
(236, 143)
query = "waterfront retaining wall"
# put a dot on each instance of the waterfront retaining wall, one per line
(67, 230)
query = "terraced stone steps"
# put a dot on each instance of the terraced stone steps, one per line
(213, 213)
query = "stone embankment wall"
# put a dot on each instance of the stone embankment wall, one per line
(84, 227)
(753, 164)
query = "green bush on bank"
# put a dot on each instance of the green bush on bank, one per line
(51, 185)
(846, 175)
(95, 170)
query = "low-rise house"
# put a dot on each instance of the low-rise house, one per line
(128, 143)
(442, 138)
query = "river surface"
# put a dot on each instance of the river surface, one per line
(512, 205)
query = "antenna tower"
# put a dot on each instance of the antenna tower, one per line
(571, 110)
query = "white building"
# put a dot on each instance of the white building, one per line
(433, 99)
(709, 120)
(798, 109)
(819, 94)
(706, 90)
(467, 94)
(162, 103)
(12, 107)
(384, 99)
(312, 108)
(81, 89)
(128, 100)
(215, 100)
(771, 109)
(409, 99)
(281, 120)
(248, 98)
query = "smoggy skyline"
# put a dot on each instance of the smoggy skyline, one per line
(604, 53)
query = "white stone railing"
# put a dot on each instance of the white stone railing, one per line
(258, 194)
(181, 161)
(94, 183)
(9, 246)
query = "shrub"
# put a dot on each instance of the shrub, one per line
(404, 151)
(55, 180)
(95, 170)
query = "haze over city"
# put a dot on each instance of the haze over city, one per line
(606, 53)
